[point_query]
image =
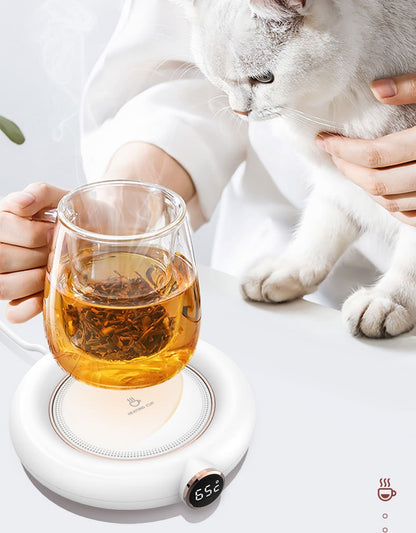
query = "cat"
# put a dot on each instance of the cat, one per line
(302, 59)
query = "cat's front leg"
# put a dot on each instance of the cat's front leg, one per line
(324, 233)
(389, 308)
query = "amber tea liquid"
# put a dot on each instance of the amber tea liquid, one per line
(123, 319)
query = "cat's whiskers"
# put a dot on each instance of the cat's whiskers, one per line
(236, 121)
(312, 119)
(178, 73)
(353, 99)
(303, 118)
(218, 97)
(187, 70)
(222, 111)
(309, 123)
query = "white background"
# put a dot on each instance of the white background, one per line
(47, 49)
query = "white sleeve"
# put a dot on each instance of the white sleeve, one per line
(146, 88)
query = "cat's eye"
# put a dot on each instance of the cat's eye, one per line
(267, 77)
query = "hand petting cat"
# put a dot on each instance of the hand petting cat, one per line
(384, 167)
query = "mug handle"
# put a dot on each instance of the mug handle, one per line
(46, 215)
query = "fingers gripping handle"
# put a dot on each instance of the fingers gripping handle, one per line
(45, 215)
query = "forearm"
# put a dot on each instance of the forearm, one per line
(145, 162)
(138, 93)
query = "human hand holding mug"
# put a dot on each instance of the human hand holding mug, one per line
(24, 248)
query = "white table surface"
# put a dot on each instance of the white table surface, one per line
(334, 415)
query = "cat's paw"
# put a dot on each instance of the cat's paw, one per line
(280, 280)
(371, 314)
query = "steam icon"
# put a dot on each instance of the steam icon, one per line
(385, 492)
(133, 402)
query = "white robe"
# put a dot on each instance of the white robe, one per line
(146, 88)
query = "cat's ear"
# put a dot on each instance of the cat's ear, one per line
(276, 8)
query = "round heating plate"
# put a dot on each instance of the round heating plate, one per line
(133, 449)
(132, 424)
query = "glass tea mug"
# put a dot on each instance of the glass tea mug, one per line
(122, 303)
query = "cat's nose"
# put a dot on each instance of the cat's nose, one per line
(245, 113)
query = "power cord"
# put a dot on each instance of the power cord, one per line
(21, 342)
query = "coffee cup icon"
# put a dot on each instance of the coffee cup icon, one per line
(385, 492)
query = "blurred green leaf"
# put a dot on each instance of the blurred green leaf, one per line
(11, 130)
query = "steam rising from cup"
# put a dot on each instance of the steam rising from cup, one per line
(63, 27)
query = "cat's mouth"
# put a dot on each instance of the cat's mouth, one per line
(266, 114)
(244, 117)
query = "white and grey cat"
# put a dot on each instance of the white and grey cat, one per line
(316, 58)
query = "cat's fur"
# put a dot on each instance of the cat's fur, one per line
(324, 55)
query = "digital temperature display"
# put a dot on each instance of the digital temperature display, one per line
(204, 488)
